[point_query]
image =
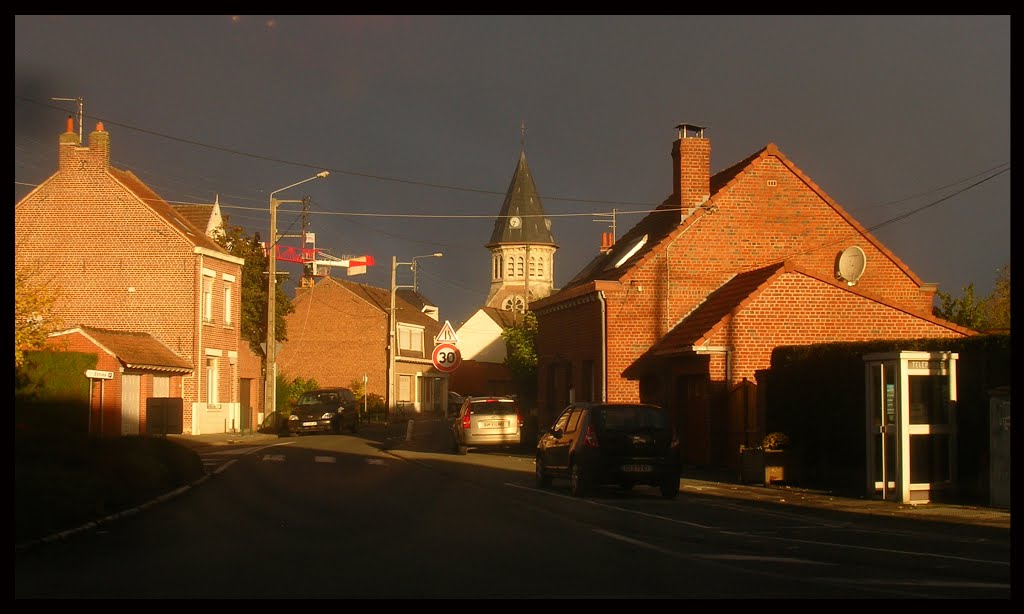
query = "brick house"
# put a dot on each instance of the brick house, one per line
(687, 306)
(126, 262)
(338, 332)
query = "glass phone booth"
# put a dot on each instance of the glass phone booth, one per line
(911, 424)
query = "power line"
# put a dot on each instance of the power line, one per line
(321, 167)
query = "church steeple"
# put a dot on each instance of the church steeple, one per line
(521, 245)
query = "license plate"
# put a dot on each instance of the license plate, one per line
(637, 468)
(493, 424)
(309, 424)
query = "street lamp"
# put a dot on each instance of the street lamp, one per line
(270, 381)
(392, 323)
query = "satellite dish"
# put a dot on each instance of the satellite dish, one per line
(850, 265)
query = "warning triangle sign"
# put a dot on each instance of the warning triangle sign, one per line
(447, 334)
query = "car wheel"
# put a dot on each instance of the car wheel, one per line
(462, 450)
(670, 488)
(577, 480)
(543, 479)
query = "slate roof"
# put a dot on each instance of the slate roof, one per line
(504, 318)
(199, 215)
(414, 298)
(381, 299)
(522, 201)
(137, 350)
(173, 217)
(656, 225)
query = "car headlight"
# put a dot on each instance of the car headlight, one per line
(292, 417)
(327, 416)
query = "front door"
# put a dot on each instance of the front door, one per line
(130, 389)
(244, 390)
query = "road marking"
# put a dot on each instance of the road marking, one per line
(277, 458)
(324, 459)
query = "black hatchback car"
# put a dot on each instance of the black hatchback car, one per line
(595, 444)
(325, 410)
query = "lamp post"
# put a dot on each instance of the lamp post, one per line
(270, 381)
(392, 323)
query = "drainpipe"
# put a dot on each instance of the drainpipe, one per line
(604, 347)
(718, 349)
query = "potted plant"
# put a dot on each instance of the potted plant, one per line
(771, 461)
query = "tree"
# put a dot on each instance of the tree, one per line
(966, 310)
(984, 314)
(521, 357)
(34, 316)
(254, 287)
(997, 305)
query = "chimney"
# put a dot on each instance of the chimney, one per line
(607, 241)
(691, 154)
(99, 145)
(66, 145)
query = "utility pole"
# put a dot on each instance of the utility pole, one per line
(270, 380)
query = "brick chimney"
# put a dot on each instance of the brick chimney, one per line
(99, 144)
(691, 154)
(607, 242)
(67, 144)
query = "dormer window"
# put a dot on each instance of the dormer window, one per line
(410, 338)
(631, 251)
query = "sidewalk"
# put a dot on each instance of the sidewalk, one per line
(429, 434)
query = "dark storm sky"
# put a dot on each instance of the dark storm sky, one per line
(904, 121)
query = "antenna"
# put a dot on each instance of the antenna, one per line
(522, 135)
(608, 218)
(81, 106)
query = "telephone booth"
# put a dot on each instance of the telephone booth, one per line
(911, 424)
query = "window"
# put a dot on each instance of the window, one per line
(212, 381)
(514, 303)
(574, 421)
(405, 388)
(410, 339)
(510, 268)
(519, 266)
(496, 264)
(207, 299)
(227, 304)
(533, 266)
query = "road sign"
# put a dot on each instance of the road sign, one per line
(447, 334)
(93, 374)
(446, 357)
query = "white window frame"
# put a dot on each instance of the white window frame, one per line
(207, 299)
(227, 304)
(212, 380)
(410, 338)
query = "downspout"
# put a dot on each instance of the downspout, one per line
(197, 357)
(604, 347)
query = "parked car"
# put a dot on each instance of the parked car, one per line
(275, 423)
(325, 410)
(626, 444)
(455, 401)
(486, 422)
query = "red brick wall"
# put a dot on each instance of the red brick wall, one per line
(481, 379)
(799, 310)
(335, 337)
(567, 336)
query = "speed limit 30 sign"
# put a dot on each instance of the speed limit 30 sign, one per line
(446, 357)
